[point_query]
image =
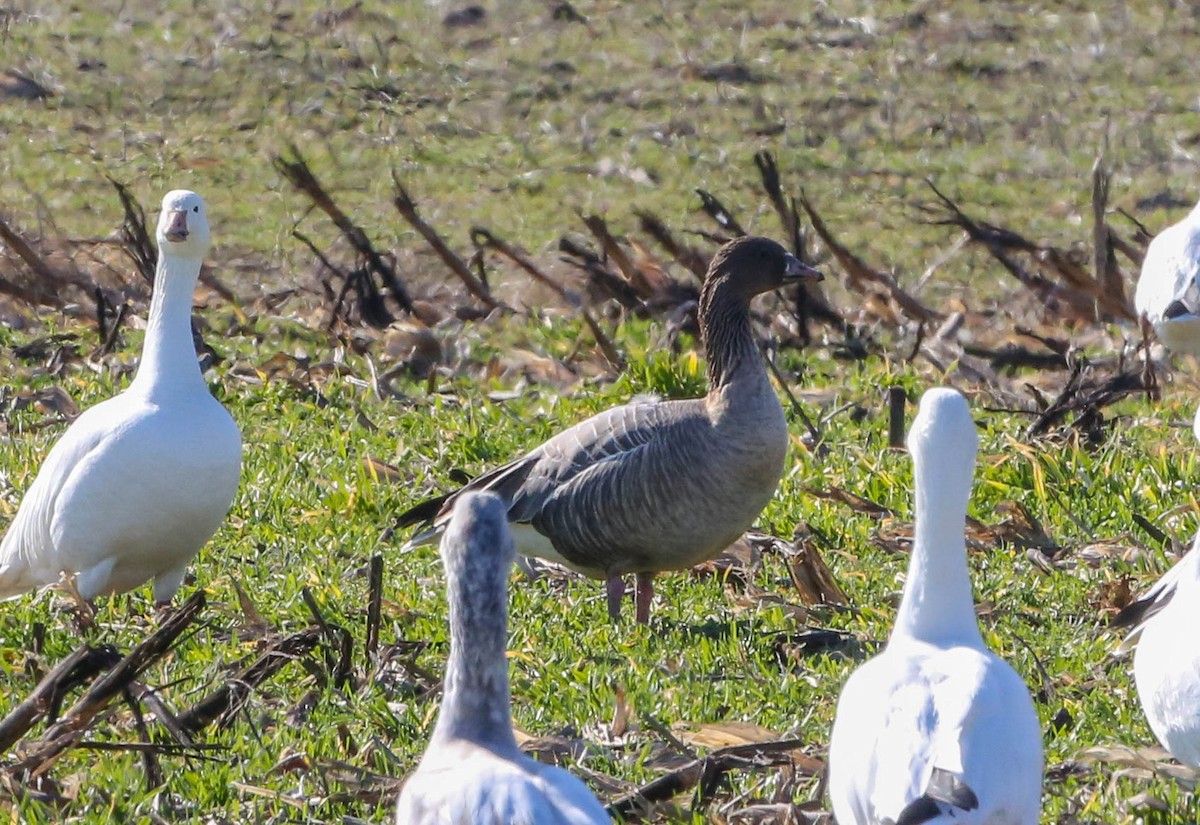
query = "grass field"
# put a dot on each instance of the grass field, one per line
(522, 124)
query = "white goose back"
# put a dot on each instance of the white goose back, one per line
(936, 728)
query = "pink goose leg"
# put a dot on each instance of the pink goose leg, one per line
(614, 586)
(643, 595)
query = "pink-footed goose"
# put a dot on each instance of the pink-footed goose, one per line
(138, 483)
(657, 485)
(472, 771)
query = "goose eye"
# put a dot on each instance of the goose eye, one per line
(196, 209)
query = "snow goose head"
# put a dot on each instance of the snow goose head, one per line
(183, 225)
(943, 442)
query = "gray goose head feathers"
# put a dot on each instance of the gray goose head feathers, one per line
(741, 269)
(661, 485)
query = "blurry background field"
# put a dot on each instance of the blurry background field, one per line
(527, 119)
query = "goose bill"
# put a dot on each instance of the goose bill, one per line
(796, 270)
(177, 229)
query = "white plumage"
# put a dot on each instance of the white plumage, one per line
(138, 483)
(472, 772)
(937, 728)
(1166, 665)
(1168, 289)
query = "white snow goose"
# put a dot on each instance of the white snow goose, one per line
(472, 771)
(1166, 664)
(138, 483)
(657, 485)
(1168, 288)
(937, 728)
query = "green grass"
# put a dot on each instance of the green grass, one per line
(309, 514)
(512, 126)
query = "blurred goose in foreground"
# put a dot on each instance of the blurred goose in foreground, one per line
(937, 728)
(1166, 664)
(657, 485)
(138, 483)
(473, 771)
(1168, 289)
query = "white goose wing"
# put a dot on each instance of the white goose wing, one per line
(1170, 271)
(131, 490)
(1135, 614)
(28, 555)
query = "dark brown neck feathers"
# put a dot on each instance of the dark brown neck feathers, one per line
(725, 327)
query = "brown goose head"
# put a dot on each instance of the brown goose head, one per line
(749, 266)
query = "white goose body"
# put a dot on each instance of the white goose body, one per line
(1166, 664)
(1168, 288)
(138, 483)
(937, 728)
(472, 772)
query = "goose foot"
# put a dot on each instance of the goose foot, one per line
(83, 611)
(614, 587)
(643, 595)
(83, 620)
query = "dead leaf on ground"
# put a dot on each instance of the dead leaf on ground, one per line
(793, 649)
(383, 470)
(413, 346)
(21, 87)
(777, 813)
(56, 400)
(535, 368)
(738, 563)
(1020, 528)
(722, 734)
(1113, 596)
(809, 573)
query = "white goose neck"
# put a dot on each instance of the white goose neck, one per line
(937, 606)
(169, 361)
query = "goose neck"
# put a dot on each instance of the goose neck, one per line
(729, 346)
(169, 354)
(937, 606)
(475, 700)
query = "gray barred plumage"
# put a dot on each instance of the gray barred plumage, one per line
(660, 485)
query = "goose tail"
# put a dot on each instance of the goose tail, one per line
(425, 537)
(14, 581)
(944, 793)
